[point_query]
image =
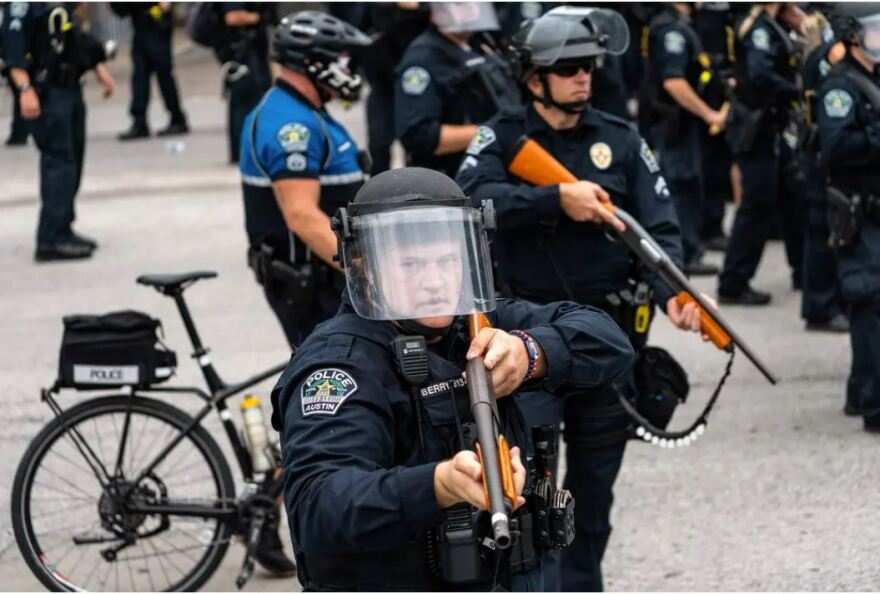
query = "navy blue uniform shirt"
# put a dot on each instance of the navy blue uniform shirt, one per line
(768, 58)
(357, 482)
(542, 250)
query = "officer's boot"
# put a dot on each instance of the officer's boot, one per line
(270, 551)
(138, 129)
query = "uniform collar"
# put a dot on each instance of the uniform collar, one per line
(293, 92)
(535, 123)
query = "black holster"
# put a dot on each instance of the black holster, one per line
(296, 283)
(845, 217)
(633, 310)
(742, 127)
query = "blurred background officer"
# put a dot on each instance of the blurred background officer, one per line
(821, 304)
(151, 54)
(713, 23)
(47, 52)
(766, 88)
(392, 25)
(551, 248)
(298, 166)
(19, 129)
(678, 71)
(450, 79)
(380, 478)
(849, 134)
(245, 58)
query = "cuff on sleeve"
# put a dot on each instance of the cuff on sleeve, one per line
(418, 500)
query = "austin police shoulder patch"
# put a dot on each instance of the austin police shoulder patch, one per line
(296, 162)
(838, 103)
(18, 9)
(415, 80)
(600, 155)
(483, 138)
(824, 68)
(648, 158)
(293, 137)
(325, 390)
(761, 39)
(673, 42)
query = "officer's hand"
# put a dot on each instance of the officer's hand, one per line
(687, 317)
(505, 357)
(460, 479)
(582, 202)
(30, 104)
(106, 80)
(716, 119)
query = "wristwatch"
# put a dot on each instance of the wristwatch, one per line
(24, 87)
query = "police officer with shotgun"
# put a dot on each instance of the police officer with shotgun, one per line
(384, 440)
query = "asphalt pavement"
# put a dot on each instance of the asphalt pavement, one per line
(779, 494)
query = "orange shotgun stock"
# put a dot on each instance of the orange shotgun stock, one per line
(535, 165)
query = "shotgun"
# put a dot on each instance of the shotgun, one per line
(536, 166)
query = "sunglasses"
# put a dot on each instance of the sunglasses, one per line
(569, 70)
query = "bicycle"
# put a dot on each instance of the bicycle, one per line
(141, 516)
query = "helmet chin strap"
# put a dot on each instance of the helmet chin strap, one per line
(572, 107)
(415, 327)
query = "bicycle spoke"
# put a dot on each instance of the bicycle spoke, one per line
(161, 561)
(67, 482)
(147, 565)
(83, 469)
(130, 576)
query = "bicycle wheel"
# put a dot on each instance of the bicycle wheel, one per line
(76, 533)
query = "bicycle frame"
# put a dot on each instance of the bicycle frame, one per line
(220, 392)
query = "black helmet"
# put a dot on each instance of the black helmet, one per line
(413, 247)
(566, 35)
(853, 21)
(313, 42)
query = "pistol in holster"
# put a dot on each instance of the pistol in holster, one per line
(294, 282)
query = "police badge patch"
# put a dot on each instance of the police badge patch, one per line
(483, 138)
(296, 162)
(18, 9)
(293, 137)
(648, 158)
(324, 392)
(673, 42)
(761, 39)
(415, 80)
(600, 155)
(838, 103)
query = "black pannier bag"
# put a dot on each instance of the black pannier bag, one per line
(121, 348)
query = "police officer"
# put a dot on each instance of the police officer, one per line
(47, 52)
(393, 26)
(849, 132)
(298, 165)
(821, 303)
(678, 71)
(380, 479)
(449, 80)
(19, 129)
(245, 58)
(713, 23)
(765, 90)
(151, 54)
(551, 247)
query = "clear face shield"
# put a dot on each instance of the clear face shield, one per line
(464, 17)
(418, 263)
(869, 37)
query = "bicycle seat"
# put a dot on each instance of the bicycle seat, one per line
(170, 283)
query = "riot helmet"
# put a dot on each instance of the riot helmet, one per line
(858, 23)
(464, 17)
(414, 249)
(566, 37)
(322, 47)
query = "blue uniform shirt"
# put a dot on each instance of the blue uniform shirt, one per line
(285, 137)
